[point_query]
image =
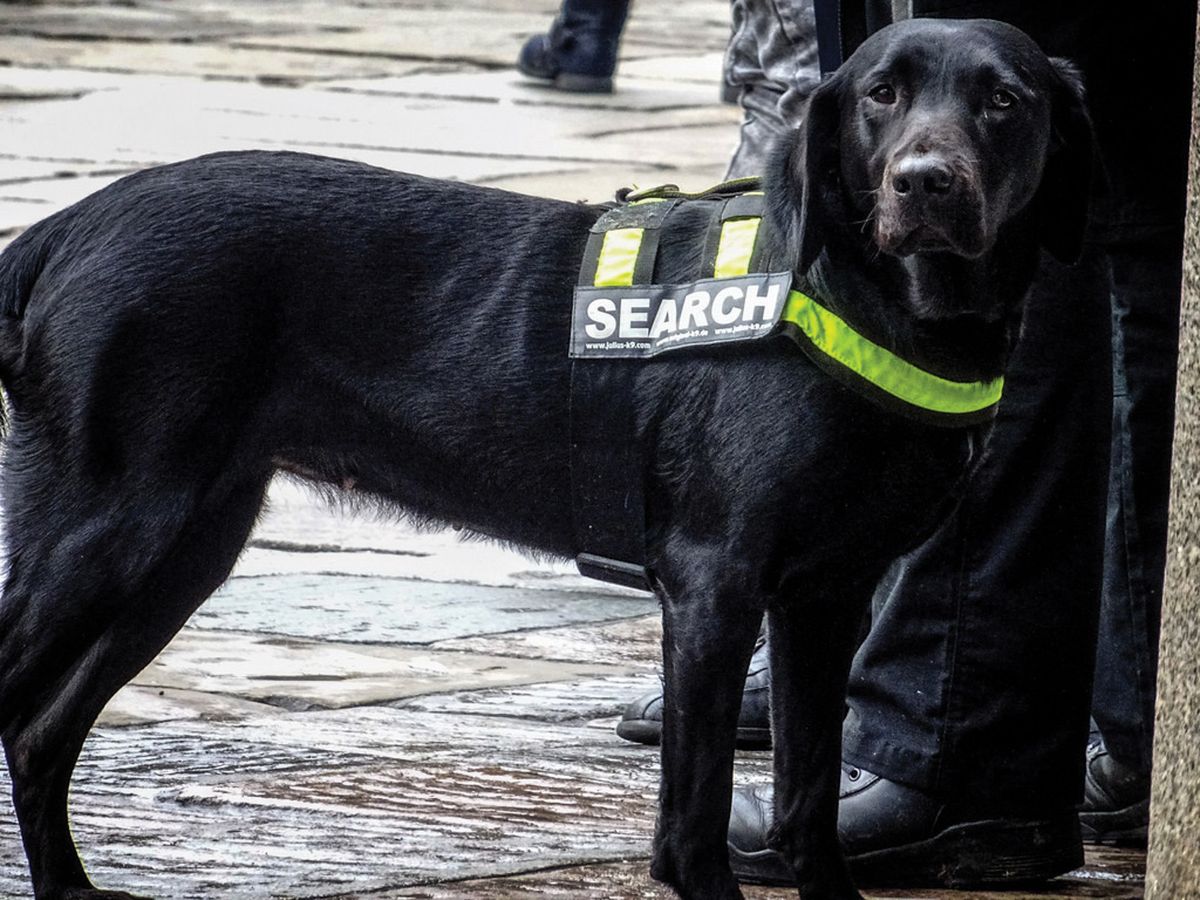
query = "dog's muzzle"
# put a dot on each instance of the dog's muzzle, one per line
(930, 202)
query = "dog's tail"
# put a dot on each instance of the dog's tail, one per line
(21, 265)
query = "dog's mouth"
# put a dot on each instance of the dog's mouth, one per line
(924, 239)
(927, 239)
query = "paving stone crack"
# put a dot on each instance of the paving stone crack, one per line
(75, 160)
(86, 37)
(683, 126)
(555, 102)
(489, 873)
(63, 176)
(296, 547)
(474, 154)
(371, 54)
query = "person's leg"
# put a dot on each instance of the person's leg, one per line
(772, 61)
(974, 681)
(1146, 276)
(579, 52)
(1145, 214)
(912, 733)
(968, 701)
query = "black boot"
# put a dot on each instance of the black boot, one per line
(895, 835)
(1116, 800)
(642, 721)
(579, 53)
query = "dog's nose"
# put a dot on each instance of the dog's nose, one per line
(925, 174)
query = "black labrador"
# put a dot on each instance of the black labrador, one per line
(170, 342)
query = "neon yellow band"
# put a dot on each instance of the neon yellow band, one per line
(618, 256)
(735, 247)
(882, 368)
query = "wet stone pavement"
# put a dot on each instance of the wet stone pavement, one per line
(365, 710)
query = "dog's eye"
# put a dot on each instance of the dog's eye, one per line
(1001, 99)
(883, 93)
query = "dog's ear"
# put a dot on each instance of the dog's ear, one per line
(804, 175)
(1062, 198)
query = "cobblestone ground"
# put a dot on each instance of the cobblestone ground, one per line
(364, 710)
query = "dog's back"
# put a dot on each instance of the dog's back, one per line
(304, 306)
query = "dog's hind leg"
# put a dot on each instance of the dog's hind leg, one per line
(95, 589)
(812, 645)
(709, 631)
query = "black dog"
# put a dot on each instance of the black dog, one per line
(170, 342)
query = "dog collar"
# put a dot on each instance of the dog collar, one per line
(880, 374)
(620, 258)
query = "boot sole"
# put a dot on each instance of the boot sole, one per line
(1127, 826)
(990, 852)
(649, 731)
(583, 84)
(575, 84)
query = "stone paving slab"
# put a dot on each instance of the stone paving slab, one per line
(422, 136)
(703, 69)
(267, 64)
(506, 86)
(629, 880)
(595, 702)
(121, 23)
(440, 558)
(18, 172)
(38, 83)
(482, 37)
(399, 611)
(351, 540)
(632, 642)
(144, 704)
(597, 183)
(350, 801)
(298, 674)
(57, 192)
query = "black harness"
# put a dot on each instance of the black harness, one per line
(608, 476)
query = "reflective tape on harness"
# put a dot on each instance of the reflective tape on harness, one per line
(618, 257)
(736, 247)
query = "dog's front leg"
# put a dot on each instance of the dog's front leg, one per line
(812, 644)
(708, 637)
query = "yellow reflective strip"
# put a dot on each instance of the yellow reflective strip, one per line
(735, 247)
(618, 256)
(884, 369)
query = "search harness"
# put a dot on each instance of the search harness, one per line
(621, 315)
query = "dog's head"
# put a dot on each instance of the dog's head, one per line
(932, 138)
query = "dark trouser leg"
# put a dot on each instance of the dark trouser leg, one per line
(772, 60)
(975, 680)
(1146, 279)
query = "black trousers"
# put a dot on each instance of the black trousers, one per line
(974, 680)
(976, 677)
